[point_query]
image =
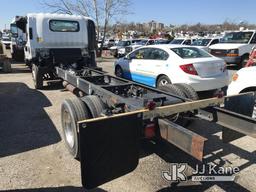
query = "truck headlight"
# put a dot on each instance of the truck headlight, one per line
(232, 53)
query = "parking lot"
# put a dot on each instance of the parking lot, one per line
(33, 156)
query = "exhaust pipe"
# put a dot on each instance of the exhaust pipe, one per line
(73, 89)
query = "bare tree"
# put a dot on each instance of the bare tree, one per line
(102, 11)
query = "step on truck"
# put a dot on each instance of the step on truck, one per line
(104, 124)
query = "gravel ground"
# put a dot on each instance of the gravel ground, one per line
(33, 156)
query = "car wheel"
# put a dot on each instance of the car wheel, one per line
(189, 92)
(181, 119)
(163, 80)
(119, 71)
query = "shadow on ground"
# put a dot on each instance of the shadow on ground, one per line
(172, 154)
(24, 124)
(56, 189)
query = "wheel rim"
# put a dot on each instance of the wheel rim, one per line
(119, 72)
(68, 131)
(164, 82)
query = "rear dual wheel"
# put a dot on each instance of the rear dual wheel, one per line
(74, 110)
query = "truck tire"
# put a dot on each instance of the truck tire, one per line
(94, 104)
(173, 89)
(189, 92)
(72, 111)
(37, 76)
(7, 67)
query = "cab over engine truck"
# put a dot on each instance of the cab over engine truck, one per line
(57, 40)
(103, 125)
(18, 40)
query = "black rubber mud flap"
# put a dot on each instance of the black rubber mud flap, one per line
(109, 148)
(242, 104)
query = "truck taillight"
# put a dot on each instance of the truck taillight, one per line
(189, 68)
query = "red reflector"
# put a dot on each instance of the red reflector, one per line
(150, 130)
(189, 68)
(151, 105)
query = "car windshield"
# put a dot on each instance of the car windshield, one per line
(162, 41)
(142, 42)
(201, 42)
(14, 29)
(122, 43)
(237, 37)
(177, 41)
(190, 52)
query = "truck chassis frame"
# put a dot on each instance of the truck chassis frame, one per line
(109, 142)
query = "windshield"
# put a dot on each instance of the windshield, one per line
(201, 42)
(177, 41)
(190, 52)
(122, 43)
(142, 42)
(237, 37)
(162, 41)
(14, 30)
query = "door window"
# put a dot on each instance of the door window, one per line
(158, 54)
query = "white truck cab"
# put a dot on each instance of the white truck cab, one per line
(57, 40)
(235, 47)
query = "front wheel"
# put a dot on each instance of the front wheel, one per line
(37, 77)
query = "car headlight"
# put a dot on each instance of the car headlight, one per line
(235, 77)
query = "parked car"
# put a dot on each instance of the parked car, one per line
(158, 65)
(205, 43)
(119, 49)
(181, 41)
(243, 81)
(6, 40)
(108, 43)
(252, 58)
(235, 47)
(141, 43)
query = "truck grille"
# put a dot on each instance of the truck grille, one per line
(218, 52)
